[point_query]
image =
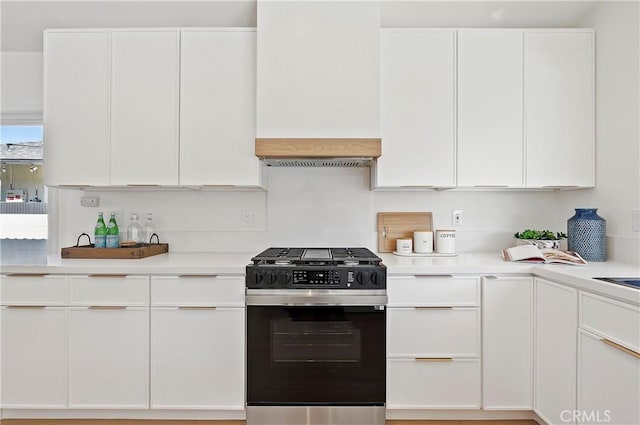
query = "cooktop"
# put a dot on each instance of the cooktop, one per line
(631, 282)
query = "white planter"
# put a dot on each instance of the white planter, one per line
(540, 243)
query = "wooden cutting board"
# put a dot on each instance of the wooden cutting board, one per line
(400, 225)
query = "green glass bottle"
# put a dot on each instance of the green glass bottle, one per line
(100, 233)
(113, 233)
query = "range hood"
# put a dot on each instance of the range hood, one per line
(318, 152)
(317, 92)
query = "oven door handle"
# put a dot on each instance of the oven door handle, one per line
(378, 301)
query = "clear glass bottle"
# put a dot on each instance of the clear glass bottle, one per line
(100, 232)
(134, 230)
(148, 229)
(113, 233)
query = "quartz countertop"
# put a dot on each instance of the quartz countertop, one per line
(491, 263)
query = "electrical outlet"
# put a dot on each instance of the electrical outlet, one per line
(247, 218)
(635, 221)
(89, 201)
(456, 217)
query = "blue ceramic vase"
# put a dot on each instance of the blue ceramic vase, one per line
(586, 234)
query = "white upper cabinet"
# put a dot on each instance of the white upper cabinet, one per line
(217, 108)
(318, 69)
(490, 104)
(559, 93)
(417, 108)
(144, 107)
(76, 110)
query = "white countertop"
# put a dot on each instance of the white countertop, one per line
(466, 263)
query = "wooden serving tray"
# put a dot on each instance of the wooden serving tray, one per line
(400, 225)
(135, 252)
(131, 252)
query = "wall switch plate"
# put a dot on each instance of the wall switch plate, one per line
(456, 217)
(635, 221)
(247, 218)
(89, 201)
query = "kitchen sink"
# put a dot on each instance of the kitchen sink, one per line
(632, 282)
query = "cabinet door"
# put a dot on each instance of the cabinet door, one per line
(556, 323)
(34, 357)
(197, 358)
(318, 69)
(109, 357)
(76, 108)
(217, 108)
(507, 343)
(418, 108)
(559, 93)
(144, 107)
(427, 383)
(608, 382)
(490, 102)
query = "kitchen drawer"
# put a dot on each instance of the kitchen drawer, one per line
(433, 331)
(109, 290)
(197, 290)
(613, 320)
(420, 383)
(433, 290)
(29, 289)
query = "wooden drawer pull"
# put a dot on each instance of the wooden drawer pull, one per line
(434, 359)
(117, 276)
(197, 276)
(621, 348)
(27, 274)
(107, 307)
(196, 308)
(434, 308)
(27, 306)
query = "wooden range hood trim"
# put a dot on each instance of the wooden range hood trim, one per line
(318, 148)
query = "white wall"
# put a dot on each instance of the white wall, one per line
(308, 207)
(21, 84)
(617, 190)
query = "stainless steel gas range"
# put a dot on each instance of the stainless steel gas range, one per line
(316, 337)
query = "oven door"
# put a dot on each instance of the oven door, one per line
(316, 355)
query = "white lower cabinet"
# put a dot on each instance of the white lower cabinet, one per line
(34, 357)
(608, 361)
(197, 342)
(109, 357)
(197, 358)
(507, 343)
(433, 343)
(33, 372)
(433, 383)
(556, 323)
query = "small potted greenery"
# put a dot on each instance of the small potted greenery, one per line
(540, 238)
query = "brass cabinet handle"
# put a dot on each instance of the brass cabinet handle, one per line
(434, 276)
(107, 307)
(434, 308)
(27, 306)
(434, 359)
(621, 348)
(117, 276)
(193, 276)
(198, 307)
(27, 274)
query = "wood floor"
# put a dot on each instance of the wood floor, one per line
(195, 422)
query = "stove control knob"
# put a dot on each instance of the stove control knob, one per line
(255, 277)
(284, 278)
(374, 278)
(362, 278)
(270, 278)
